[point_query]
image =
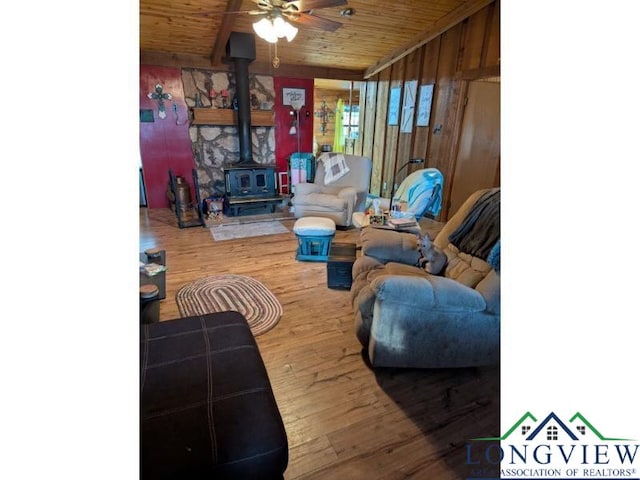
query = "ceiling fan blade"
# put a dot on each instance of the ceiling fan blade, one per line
(315, 22)
(306, 5)
(264, 4)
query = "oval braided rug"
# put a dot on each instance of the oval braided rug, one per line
(221, 293)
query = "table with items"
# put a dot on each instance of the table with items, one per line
(152, 284)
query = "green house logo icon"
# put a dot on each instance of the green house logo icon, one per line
(552, 428)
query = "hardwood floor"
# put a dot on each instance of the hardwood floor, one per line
(343, 420)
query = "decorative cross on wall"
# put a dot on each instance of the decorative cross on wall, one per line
(324, 114)
(161, 97)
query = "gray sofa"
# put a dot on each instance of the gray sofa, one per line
(406, 317)
(339, 199)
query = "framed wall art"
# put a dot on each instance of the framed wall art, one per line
(394, 105)
(293, 96)
(424, 105)
(408, 106)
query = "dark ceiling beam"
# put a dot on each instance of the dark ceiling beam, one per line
(226, 26)
(445, 23)
(162, 59)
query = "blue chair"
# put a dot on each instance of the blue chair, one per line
(419, 194)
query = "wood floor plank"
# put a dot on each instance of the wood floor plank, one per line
(343, 419)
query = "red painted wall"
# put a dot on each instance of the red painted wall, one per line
(287, 144)
(164, 144)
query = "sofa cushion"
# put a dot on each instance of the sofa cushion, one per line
(386, 245)
(465, 268)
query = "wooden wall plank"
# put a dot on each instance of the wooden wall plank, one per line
(428, 77)
(357, 146)
(368, 117)
(473, 43)
(491, 52)
(379, 147)
(445, 101)
(405, 140)
(393, 131)
(449, 49)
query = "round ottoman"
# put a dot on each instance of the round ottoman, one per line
(314, 238)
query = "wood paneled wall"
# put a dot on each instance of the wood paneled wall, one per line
(470, 50)
(331, 98)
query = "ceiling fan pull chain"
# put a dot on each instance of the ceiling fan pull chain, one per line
(276, 60)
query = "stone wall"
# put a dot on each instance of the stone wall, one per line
(216, 147)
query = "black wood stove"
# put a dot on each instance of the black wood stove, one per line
(250, 187)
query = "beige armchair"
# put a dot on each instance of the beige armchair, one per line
(339, 199)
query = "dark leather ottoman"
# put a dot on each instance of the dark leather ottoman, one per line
(207, 410)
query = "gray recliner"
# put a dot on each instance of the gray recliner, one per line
(406, 317)
(339, 199)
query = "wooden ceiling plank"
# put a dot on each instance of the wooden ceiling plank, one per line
(446, 22)
(226, 26)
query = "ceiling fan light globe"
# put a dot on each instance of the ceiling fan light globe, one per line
(272, 37)
(260, 27)
(280, 26)
(291, 32)
(264, 29)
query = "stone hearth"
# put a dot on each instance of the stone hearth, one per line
(217, 147)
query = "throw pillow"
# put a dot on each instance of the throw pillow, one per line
(335, 167)
(494, 257)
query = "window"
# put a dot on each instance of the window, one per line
(525, 429)
(552, 433)
(581, 429)
(350, 122)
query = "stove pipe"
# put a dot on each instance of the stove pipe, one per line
(241, 48)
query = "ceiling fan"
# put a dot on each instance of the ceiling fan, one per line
(299, 11)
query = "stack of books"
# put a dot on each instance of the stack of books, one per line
(400, 223)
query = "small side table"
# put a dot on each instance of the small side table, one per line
(150, 304)
(339, 265)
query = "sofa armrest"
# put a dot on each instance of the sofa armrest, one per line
(390, 246)
(350, 194)
(428, 292)
(430, 323)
